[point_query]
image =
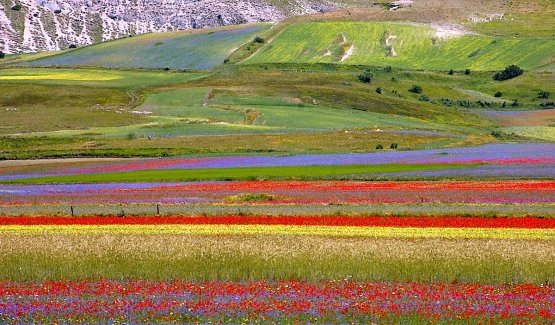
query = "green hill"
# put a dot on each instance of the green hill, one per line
(401, 45)
(203, 49)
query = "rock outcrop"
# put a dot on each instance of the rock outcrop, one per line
(48, 25)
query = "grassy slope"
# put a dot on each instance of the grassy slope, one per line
(94, 77)
(73, 99)
(175, 50)
(308, 42)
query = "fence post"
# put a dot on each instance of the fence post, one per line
(72, 213)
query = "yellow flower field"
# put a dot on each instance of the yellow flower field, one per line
(339, 231)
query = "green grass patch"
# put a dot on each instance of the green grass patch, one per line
(402, 45)
(95, 77)
(249, 173)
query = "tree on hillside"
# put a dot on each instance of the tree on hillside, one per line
(544, 94)
(366, 76)
(2, 55)
(510, 72)
(415, 89)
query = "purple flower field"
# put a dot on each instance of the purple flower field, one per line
(518, 160)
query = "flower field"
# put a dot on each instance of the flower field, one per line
(285, 192)
(491, 160)
(273, 302)
(136, 241)
(280, 269)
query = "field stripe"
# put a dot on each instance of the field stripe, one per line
(355, 221)
(342, 231)
(237, 173)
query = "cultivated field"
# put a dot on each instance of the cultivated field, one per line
(402, 45)
(354, 166)
(203, 49)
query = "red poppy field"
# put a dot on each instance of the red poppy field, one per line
(269, 267)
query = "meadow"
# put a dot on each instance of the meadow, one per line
(183, 50)
(211, 177)
(400, 45)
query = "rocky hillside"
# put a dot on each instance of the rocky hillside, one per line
(37, 25)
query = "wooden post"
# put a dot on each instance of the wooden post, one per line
(158, 209)
(72, 212)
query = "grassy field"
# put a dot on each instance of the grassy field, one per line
(540, 133)
(400, 45)
(202, 49)
(165, 256)
(276, 209)
(314, 142)
(250, 173)
(105, 78)
(74, 99)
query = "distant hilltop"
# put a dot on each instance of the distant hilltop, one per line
(49, 25)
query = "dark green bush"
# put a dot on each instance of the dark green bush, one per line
(366, 76)
(415, 89)
(510, 72)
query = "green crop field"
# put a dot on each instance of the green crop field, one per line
(401, 45)
(174, 50)
(248, 173)
(94, 77)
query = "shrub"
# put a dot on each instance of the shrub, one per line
(379, 147)
(366, 76)
(464, 103)
(259, 40)
(544, 94)
(72, 46)
(131, 136)
(424, 98)
(467, 72)
(515, 103)
(2, 55)
(58, 11)
(17, 7)
(388, 69)
(415, 89)
(394, 146)
(510, 72)
(379, 90)
(251, 197)
(498, 94)
(451, 72)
